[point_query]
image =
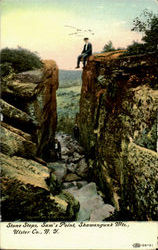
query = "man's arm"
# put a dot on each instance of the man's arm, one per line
(83, 49)
(89, 48)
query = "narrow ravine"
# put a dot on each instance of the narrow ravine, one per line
(73, 174)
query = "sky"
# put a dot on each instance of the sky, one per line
(47, 26)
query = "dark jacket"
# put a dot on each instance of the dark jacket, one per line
(89, 49)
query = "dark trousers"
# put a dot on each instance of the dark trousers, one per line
(58, 154)
(84, 56)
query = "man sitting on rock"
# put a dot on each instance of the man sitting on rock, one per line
(87, 51)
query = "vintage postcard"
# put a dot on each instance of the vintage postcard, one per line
(79, 124)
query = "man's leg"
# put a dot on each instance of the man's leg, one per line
(78, 61)
(84, 60)
(56, 155)
(59, 155)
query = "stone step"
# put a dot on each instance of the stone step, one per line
(92, 206)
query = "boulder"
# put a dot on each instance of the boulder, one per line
(77, 156)
(17, 131)
(102, 213)
(92, 206)
(67, 185)
(14, 144)
(77, 148)
(24, 170)
(17, 117)
(64, 150)
(81, 184)
(58, 169)
(89, 190)
(72, 177)
(65, 158)
(82, 168)
(69, 145)
(33, 76)
(54, 184)
(74, 184)
(72, 167)
(13, 90)
(26, 196)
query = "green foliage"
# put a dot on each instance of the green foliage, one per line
(136, 48)
(151, 35)
(69, 78)
(108, 47)
(67, 107)
(120, 48)
(19, 59)
(66, 124)
(144, 21)
(6, 69)
(147, 23)
(148, 138)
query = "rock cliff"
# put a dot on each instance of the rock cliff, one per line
(29, 190)
(117, 122)
(29, 104)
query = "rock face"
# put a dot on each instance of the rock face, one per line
(29, 104)
(26, 196)
(47, 113)
(29, 190)
(12, 143)
(117, 122)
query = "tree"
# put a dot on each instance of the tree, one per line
(136, 48)
(108, 47)
(20, 59)
(147, 23)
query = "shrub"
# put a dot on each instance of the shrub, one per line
(66, 124)
(136, 48)
(108, 47)
(6, 69)
(19, 59)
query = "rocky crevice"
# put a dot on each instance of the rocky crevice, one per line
(117, 165)
(73, 176)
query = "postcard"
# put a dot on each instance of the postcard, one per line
(79, 124)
